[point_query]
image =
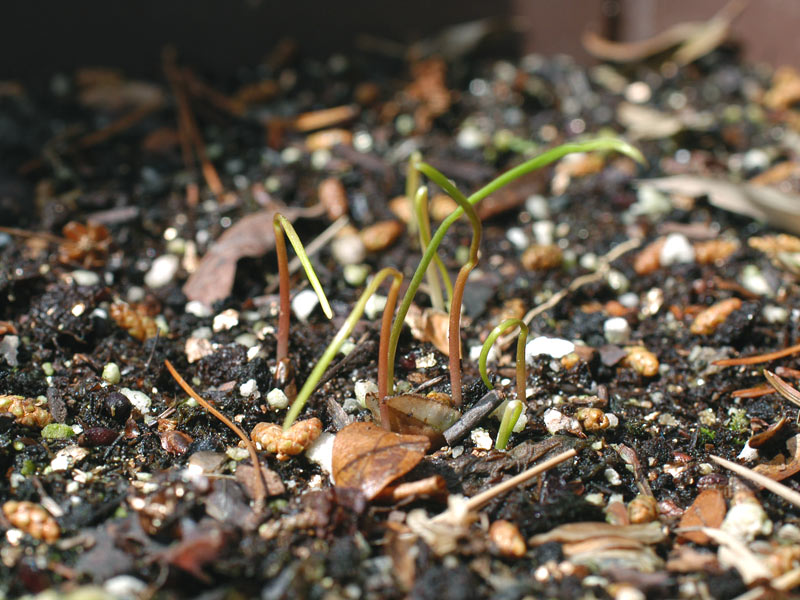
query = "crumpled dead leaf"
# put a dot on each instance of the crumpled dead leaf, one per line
(707, 510)
(430, 325)
(694, 39)
(785, 90)
(779, 468)
(368, 458)
(418, 415)
(779, 209)
(251, 236)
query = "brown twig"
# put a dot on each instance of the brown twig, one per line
(54, 239)
(261, 486)
(783, 388)
(472, 417)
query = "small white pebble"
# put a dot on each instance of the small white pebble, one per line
(612, 477)
(198, 309)
(538, 207)
(248, 340)
(747, 520)
(629, 300)
(140, 400)
(82, 277)
(162, 271)
(543, 231)
(355, 275)
(553, 347)
(753, 279)
(321, 452)
(613, 420)
(125, 587)
(555, 421)
(775, 314)
(374, 307)
(225, 320)
(363, 387)
(470, 138)
(426, 361)
(588, 261)
(304, 303)
(277, 400)
(617, 330)
(248, 388)
(481, 438)
(111, 373)
(676, 249)
(748, 453)
(517, 237)
(348, 250)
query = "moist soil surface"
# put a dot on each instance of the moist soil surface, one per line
(143, 493)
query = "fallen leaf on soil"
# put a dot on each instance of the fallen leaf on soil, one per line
(651, 533)
(779, 209)
(421, 415)
(779, 469)
(368, 457)
(198, 548)
(251, 236)
(707, 510)
(430, 325)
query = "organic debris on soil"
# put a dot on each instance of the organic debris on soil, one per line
(137, 229)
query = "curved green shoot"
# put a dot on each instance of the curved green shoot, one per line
(487, 346)
(454, 334)
(424, 224)
(537, 162)
(510, 417)
(282, 226)
(341, 336)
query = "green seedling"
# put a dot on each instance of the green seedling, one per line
(424, 226)
(454, 333)
(511, 415)
(282, 226)
(520, 366)
(528, 166)
(344, 332)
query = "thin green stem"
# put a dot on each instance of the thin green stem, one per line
(454, 333)
(510, 417)
(282, 226)
(338, 340)
(536, 162)
(423, 221)
(487, 346)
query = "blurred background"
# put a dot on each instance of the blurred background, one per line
(40, 39)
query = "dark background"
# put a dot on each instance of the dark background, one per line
(40, 38)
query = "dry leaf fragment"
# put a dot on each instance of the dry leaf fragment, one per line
(650, 533)
(368, 457)
(430, 325)
(251, 236)
(779, 469)
(707, 510)
(785, 90)
(420, 415)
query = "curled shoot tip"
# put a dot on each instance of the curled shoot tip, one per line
(281, 223)
(336, 343)
(423, 222)
(511, 415)
(520, 366)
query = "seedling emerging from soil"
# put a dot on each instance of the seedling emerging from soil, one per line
(454, 332)
(281, 225)
(510, 417)
(520, 366)
(344, 332)
(536, 162)
(424, 225)
(412, 183)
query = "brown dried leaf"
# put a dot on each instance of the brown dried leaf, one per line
(422, 415)
(779, 469)
(368, 457)
(707, 510)
(651, 533)
(251, 236)
(430, 325)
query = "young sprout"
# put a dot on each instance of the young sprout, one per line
(281, 225)
(534, 163)
(454, 333)
(487, 346)
(343, 333)
(423, 222)
(511, 415)
(412, 183)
